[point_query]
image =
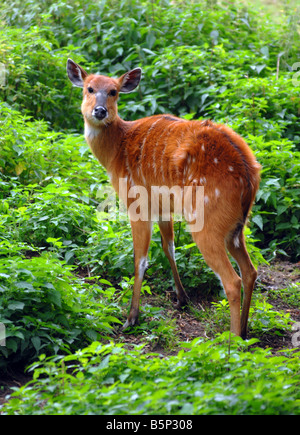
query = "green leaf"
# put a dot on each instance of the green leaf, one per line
(12, 344)
(4, 275)
(258, 220)
(36, 341)
(24, 285)
(44, 218)
(69, 255)
(16, 306)
(104, 281)
(150, 39)
(92, 334)
(265, 51)
(55, 297)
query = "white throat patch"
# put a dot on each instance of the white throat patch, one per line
(90, 132)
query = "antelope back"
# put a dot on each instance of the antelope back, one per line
(166, 151)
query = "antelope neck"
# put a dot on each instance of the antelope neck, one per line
(105, 139)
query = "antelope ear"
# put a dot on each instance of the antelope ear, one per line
(130, 80)
(75, 73)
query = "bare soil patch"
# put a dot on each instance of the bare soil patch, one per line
(279, 275)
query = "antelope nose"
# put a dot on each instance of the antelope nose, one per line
(100, 112)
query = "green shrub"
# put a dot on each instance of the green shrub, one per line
(54, 212)
(32, 153)
(46, 309)
(36, 78)
(229, 62)
(277, 211)
(263, 319)
(206, 379)
(192, 50)
(192, 67)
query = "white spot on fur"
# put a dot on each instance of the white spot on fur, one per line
(143, 145)
(218, 276)
(206, 199)
(230, 168)
(236, 242)
(171, 249)
(128, 169)
(162, 161)
(203, 148)
(143, 266)
(191, 216)
(154, 157)
(217, 192)
(216, 161)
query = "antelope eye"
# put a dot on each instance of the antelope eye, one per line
(113, 93)
(90, 90)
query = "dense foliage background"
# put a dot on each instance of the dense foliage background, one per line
(65, 272)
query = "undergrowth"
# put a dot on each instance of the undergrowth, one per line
(66, 272)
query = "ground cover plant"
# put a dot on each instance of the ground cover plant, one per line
(66, 271)
(205, 379)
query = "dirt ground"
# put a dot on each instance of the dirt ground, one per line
(278, 276)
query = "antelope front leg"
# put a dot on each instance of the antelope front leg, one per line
(141, 234)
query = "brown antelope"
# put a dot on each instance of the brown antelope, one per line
(164, 150)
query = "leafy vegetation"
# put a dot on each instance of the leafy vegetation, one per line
(66, 272)
(205, 379)
(45, 308)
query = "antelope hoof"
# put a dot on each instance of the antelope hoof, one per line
(131, 321)
(244, 335)
(182, 302)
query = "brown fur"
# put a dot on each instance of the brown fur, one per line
(164, 150)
